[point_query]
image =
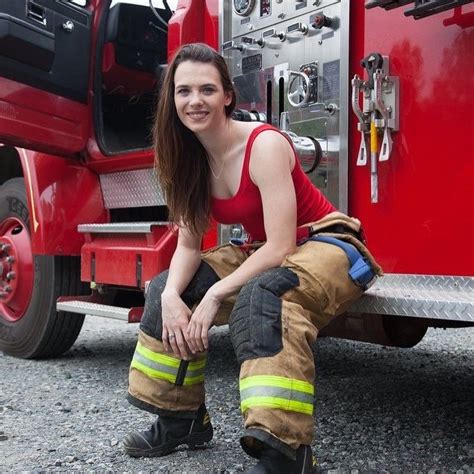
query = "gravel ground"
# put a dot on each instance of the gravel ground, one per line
(378, 409)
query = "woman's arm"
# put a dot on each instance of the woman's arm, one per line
(271, 163)
(175, 313)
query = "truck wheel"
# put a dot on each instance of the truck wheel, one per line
(30, 326)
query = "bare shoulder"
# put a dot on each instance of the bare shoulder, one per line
(271, 138)
(243, 131)
(271, 150)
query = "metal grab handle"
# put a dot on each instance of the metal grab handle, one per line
(356, 84)
(362, 126)
(379, 104)
(387, 142)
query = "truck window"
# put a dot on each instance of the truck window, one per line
(81, 3)
(133, 58)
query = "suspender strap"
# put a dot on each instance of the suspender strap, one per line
(360, 271)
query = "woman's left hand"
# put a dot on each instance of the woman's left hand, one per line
(200, 322)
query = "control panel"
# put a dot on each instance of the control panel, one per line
(289, 63)
(251, 15)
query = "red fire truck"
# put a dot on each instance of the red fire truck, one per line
(377, 97)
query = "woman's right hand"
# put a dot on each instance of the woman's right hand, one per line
(176, 317)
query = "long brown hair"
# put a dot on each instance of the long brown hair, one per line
(180, 159)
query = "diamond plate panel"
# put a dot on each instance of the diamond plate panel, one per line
(137, 188)
(423, 296)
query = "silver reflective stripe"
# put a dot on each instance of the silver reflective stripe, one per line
(155, 365)
(277, 392)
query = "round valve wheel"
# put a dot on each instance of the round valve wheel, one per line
(299, 90)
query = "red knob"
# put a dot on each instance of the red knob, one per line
(320, 21)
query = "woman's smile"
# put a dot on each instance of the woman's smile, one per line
(198, 115)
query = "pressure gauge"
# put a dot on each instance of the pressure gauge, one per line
(243, 7)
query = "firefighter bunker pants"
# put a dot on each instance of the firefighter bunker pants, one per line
(273, 322)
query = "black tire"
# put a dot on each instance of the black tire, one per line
(41, 331)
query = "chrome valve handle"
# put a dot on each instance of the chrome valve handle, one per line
(299, 88)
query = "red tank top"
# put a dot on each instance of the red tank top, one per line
(245, 207)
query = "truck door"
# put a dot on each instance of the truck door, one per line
(45, 52)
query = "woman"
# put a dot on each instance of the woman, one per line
(285, 286)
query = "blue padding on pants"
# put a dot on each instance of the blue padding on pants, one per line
(360, 271)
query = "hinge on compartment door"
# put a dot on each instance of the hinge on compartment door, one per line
(379, 114)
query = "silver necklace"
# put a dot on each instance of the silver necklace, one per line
(218, 175)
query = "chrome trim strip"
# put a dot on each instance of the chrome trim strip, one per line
(343, 110)
(121, 228)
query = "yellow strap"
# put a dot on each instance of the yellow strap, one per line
(277, 381)
(273, 402)
(373, 137)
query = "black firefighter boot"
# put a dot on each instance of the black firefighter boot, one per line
(169, 432)
(273, 461)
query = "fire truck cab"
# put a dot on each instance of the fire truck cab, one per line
(377, 97)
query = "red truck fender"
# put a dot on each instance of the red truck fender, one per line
(62, 193)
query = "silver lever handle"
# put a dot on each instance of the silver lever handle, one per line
(228, 45)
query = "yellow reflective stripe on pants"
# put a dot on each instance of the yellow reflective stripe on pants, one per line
(168, 360)
(276, 381)
(157, 374)
(276, 392)
(157, 357)
(162, 366)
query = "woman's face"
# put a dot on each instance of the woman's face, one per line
(199, 97)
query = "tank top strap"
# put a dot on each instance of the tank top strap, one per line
(245, 178)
